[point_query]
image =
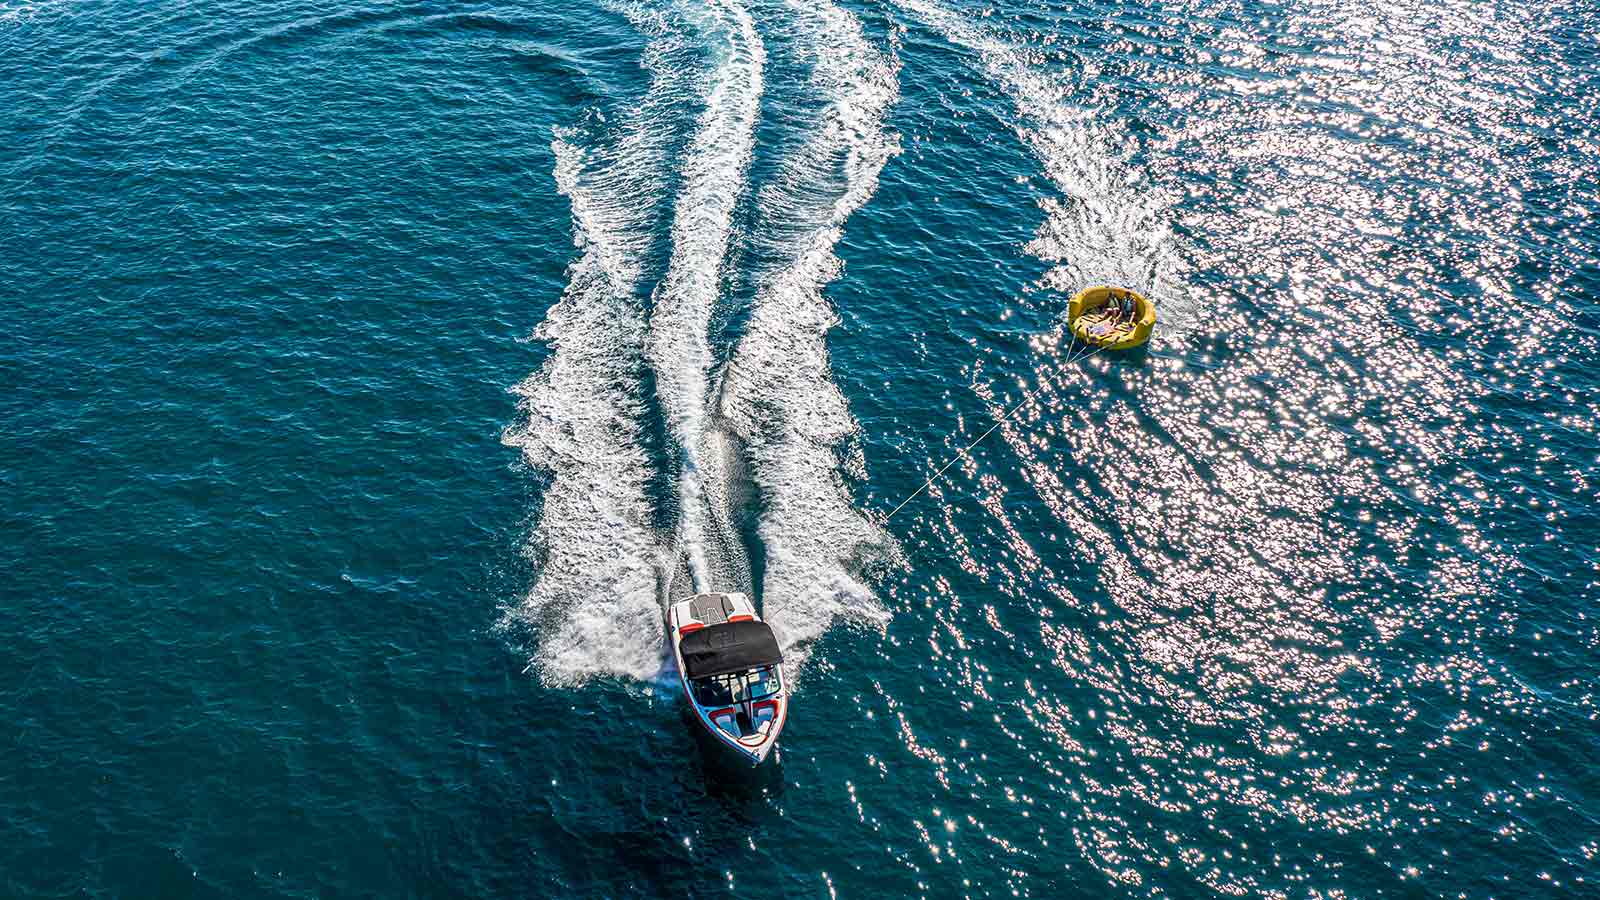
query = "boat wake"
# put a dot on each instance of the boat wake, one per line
(778, 390)
(762, 427)
(1105, 226)
(686, 299)
(594, 602)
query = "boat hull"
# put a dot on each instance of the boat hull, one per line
(747, 729)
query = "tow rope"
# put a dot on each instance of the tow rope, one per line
(1076, 355)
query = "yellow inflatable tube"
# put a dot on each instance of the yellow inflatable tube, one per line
(1092, 317)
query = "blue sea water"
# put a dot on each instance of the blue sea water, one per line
(374, 370)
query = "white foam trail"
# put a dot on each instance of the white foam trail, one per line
(17, 10)
(716, 163)
(594, 602)
(1105, 229)
(778, 391)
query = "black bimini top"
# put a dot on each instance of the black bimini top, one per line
(729, 647)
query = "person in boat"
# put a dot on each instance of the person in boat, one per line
(739, 687)
(1112, 316)
(1101, 324)
(713, 691)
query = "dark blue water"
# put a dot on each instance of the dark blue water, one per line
(372, 371)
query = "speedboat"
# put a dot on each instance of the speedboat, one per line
(732, 671)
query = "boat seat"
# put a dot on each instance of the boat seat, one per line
(712, 609)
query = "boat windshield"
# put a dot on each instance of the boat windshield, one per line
(738, 687)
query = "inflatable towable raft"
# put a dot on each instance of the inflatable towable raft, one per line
(1111, 318)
